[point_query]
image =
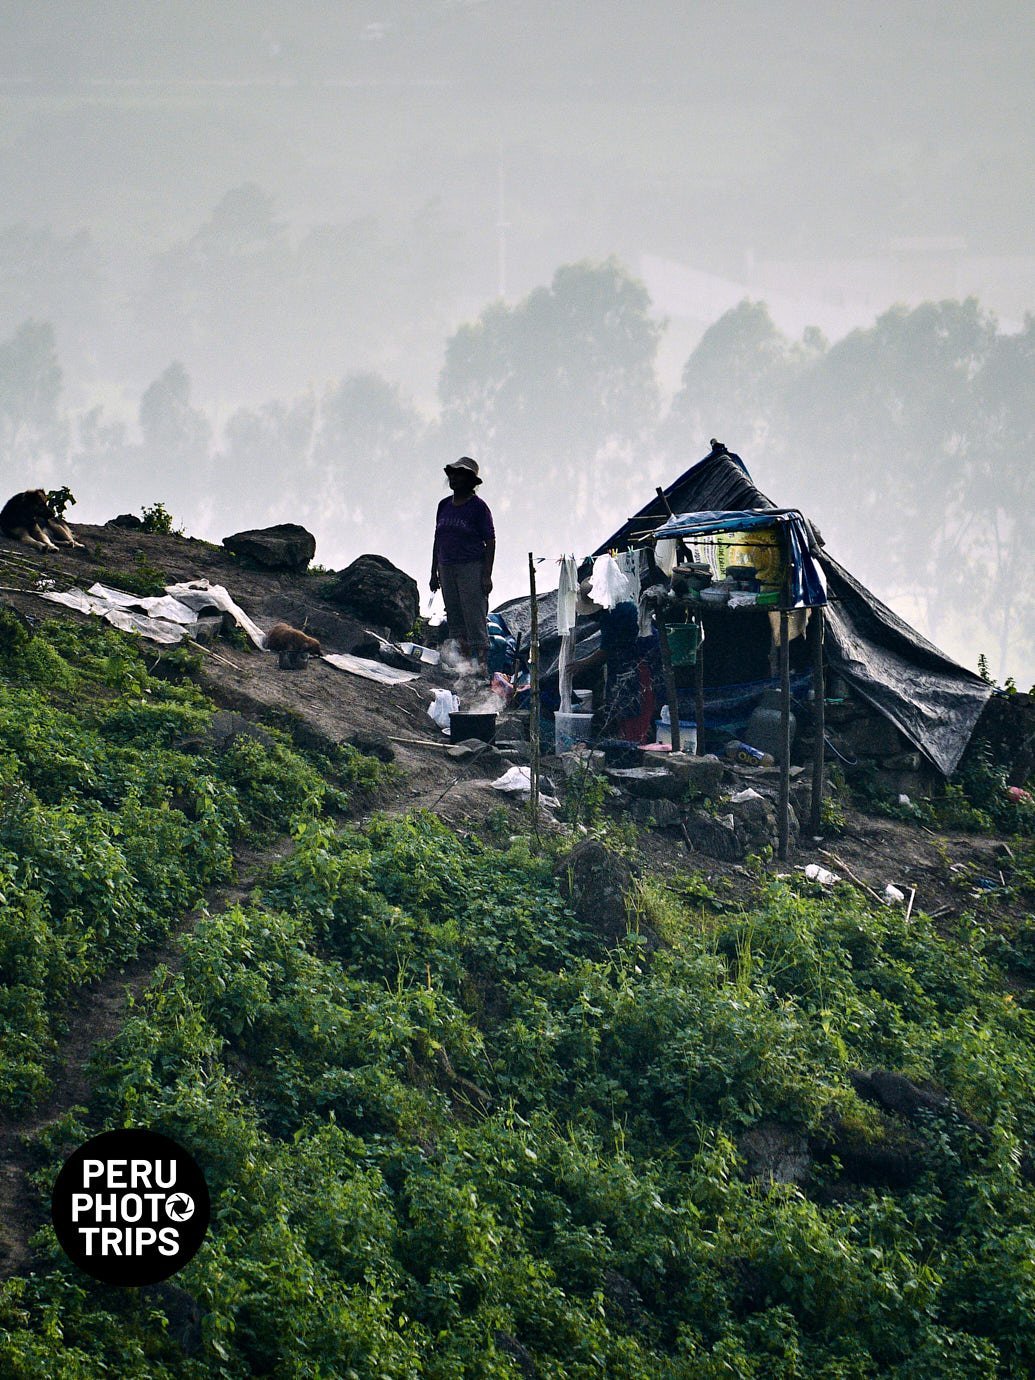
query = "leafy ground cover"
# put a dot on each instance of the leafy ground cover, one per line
(116, 814)
(449, 1130)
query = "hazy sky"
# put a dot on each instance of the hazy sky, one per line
(417, 155)
(694, 130)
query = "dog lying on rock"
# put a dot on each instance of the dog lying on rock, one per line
(28, 518)
(293, 646)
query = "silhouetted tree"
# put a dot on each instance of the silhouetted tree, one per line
(368, 481)
(176, 439)
(266, 452)
(735, 380)
(30, 386)
(557, 397)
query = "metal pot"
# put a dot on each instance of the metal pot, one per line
(481, 726)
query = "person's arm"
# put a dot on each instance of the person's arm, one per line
(434, 582)
(487, 560)
(591, 662)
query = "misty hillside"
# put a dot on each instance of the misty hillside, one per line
(469, 1103)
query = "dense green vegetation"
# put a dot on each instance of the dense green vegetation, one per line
(449, 1131)
(115, 814)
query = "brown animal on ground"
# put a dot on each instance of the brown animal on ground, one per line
(294, 646)
(27, 518)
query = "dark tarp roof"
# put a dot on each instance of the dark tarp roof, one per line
(720, 480)
(931, 699)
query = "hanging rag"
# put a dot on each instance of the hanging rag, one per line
(665, 555)
(566, 669)
(567, 590)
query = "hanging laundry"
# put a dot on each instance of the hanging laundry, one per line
(567, 589)
(609, 585)
(665, 555)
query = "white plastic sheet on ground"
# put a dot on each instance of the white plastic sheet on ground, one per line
(165, 618)
(200, 596)
(121, 610)
(369, 670)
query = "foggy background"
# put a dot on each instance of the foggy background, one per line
(281, 262)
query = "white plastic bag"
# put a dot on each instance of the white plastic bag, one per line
(517, 779)
(436, 614)
(610, 585)
(822, 875)
(444, 704)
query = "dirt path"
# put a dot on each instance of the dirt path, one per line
(100, 1010)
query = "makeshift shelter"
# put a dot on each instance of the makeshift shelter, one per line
(911, 688)
(930, 699)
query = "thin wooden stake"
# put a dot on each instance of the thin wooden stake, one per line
(699, 690)
(533, 718)
(819, 693)
(783, 812)
(670, 683)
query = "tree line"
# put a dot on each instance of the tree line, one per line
(909, 443)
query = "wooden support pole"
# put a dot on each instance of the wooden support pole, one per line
(533, 718)
(783, 812)
(670, 683)
(699, 692)
(817, 631)
(680, 543)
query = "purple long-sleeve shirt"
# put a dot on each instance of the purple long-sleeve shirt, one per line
(462, 531)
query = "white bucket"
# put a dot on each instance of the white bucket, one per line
(569, 729)
(687, 734)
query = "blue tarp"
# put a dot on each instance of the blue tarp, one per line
(808, 586)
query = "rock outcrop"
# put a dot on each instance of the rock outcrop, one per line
(286, 546)
(374, 589)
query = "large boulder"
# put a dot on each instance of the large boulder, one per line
(374, 589)
(285, 546)
(696, 775)
(775, 1154)
(598, 884)
(717, 838)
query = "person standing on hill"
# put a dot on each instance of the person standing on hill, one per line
(462, 559)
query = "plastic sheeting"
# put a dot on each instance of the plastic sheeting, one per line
(165, 618)
(127, 612)
(369, 670)
(927, 696)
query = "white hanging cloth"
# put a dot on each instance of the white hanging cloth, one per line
(567, 590)
(610, 586)
(665, 555)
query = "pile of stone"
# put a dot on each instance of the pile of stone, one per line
(721, 810)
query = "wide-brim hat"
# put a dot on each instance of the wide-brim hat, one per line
(465, 465)
(583, 603)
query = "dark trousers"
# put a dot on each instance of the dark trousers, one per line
(467, 607)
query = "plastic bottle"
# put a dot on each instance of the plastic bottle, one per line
(747, 755)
